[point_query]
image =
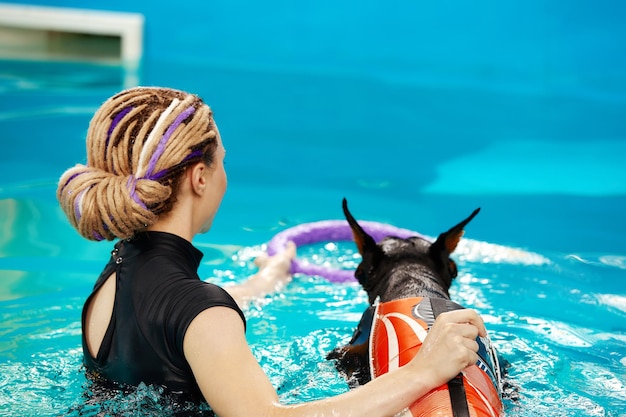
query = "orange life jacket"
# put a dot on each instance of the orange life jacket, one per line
(396, 336)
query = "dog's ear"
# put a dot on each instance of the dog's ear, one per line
(364, 242)
(446, 242)
(369, 250)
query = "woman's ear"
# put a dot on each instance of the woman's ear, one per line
(198, 176)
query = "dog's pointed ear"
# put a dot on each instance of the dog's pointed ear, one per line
(371, 253)
(364, 242)
(447, 241)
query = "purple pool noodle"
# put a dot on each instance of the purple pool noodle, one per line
(329, 231)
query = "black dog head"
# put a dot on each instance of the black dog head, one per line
(400, 268)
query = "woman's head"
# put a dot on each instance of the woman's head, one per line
(139, 144)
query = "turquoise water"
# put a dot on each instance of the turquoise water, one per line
(544, 262)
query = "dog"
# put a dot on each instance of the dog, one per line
(412, 277)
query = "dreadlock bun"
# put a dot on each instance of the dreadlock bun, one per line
(139, 143)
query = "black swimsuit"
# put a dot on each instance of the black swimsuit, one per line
(158, 294)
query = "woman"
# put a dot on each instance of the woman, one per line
(155, 178)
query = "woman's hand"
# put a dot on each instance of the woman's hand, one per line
(274, 272)
(450, 346)
(276, 269)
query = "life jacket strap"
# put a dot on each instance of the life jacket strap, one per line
(458, 399)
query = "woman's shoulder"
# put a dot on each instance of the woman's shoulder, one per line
(205, 295)
(184, 299)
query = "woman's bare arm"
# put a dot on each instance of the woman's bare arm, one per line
(234, 384)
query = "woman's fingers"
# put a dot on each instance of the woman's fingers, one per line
(287, 255)
(290, 250)
(465, 315)
(261, 260)
(451, 345)
(466, 330)
(470, 343)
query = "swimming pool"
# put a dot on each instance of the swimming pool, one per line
(544, 262)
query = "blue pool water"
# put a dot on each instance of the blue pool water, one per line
(544, 262)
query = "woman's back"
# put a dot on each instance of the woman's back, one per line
(157, 295)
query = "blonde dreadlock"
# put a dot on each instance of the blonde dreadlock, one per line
(139, 143)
